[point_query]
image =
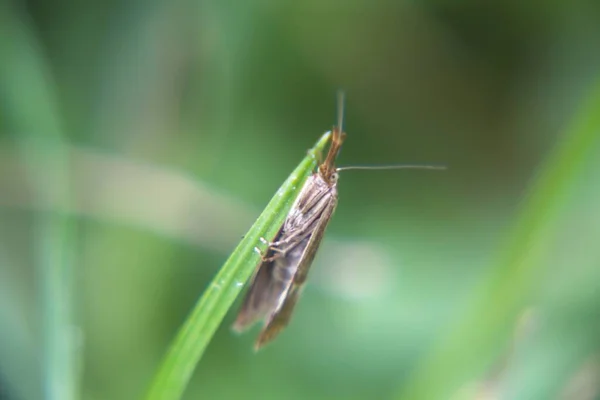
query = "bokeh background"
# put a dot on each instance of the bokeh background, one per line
(139, 140)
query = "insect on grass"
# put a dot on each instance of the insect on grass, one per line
(281, 274)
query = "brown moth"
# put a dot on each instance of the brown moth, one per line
(279, 278)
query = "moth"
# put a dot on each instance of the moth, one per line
(279, 278)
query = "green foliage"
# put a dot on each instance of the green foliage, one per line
(30, 100)
(470, 346)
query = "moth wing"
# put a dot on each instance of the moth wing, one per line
(260, 297)
(315, 239)
(280, 317)
(253, 309)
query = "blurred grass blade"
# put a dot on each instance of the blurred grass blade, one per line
(196, 332)
(469, 347)
(32, 110)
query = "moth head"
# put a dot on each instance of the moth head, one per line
(327, 169)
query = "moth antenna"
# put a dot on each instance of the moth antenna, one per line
(341, 97)
(327, 167)
(397, 166)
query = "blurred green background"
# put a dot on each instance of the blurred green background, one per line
(139, 141)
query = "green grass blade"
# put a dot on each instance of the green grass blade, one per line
(469, 346)
(197, 331)
(31, 101)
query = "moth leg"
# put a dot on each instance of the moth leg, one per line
(270, 245)
(277, 253)
(273, 257)
(263, 256)
(273, 246)
(282, 252)
(293, 239)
